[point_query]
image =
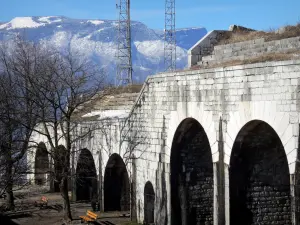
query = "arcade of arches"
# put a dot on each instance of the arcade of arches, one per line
(116, 185)
(86, 177)
(41, 164)
(259, 180)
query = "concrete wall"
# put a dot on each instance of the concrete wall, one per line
(204, 47)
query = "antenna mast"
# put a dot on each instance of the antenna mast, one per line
(170, 37)
(124, 63)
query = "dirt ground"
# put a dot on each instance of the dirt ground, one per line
(27, 214)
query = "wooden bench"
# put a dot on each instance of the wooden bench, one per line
(43, 202)
(90, 217)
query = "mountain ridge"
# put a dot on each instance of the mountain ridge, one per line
(95, 39)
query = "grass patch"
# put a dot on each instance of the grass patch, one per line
(122, 97)
(133, 88)
(267, 57)
(240, 36)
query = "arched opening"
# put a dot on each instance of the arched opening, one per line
(41, 164)
(191, 176)
(116, 185)
(259, 177)
(149, 198)
(86, 177)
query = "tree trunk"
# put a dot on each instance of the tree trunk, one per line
(66, 173)
(64, 193)
(9, 186)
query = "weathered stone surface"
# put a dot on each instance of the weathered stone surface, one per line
(266, 92)
(239, 94)
(246, 50)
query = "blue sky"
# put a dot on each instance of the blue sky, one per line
(216, 14)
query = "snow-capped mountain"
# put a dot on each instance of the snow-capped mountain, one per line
(96, 39)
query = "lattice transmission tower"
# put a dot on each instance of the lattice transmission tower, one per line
(170, 37)
(124, 63)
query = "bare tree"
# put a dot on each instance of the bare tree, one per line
(57, 87)
(17, 119)
(66, 83)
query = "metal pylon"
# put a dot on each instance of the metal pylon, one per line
(124, 63)
(170, 37)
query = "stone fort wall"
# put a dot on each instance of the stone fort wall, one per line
(267, 92)
(225, 101)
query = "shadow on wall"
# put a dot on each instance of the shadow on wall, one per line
(161, 196)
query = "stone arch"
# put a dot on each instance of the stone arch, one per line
(116, 185)
(282, 122)
(86, 176)
(195, 110)
(149, 199)
(191, 175)
(259, 181)
(41, 164)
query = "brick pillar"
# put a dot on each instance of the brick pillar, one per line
(219, 182)
(101, 192)
(133, 212)
(226, 195)
(100, 183)
(295, 195)
(295, 189)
